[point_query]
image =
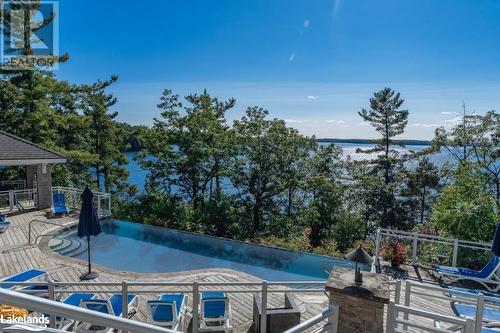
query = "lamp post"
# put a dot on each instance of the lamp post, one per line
(359, 255)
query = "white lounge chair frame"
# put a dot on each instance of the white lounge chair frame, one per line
(216, 324)
(492, 279)
(177, 324)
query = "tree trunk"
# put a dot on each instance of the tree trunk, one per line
(422, 207)
(256, 215)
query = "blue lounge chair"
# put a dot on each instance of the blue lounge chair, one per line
(486, 276)
(4, 225)
(469, 311)
(111, 306)
(215, 312)
(2, 217)
(22, 277)
(167, 311)
(75, 300)
(59, 205)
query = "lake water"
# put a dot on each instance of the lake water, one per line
(138, 176)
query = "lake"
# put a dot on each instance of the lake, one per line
(138, 176)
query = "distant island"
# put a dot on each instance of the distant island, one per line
(373, 141)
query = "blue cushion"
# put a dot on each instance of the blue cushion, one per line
(22, 277)
(482, 274)
(77, 298)
(3, 217)
(215, 305)
(164, 312)
(469, 310)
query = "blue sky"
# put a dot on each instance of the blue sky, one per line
(314, 63)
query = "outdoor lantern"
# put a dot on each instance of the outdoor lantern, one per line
(359, 255)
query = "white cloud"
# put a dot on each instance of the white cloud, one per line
(307, 23)
(424, 125)
(448, 113)
(296, 121)
(335, 121)
(312, 97)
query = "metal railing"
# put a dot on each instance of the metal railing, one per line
(397, 324)
(434, 293)
(12, 185)
(418, 241)
(54, 308)
(102, 200)
(21, 199)
(125, 288)
(330, 314)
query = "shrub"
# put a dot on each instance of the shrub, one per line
(395, 252)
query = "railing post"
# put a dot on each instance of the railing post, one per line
(455, 253)
(470, 325)
(124, 301)
(377, 247)
(109, 203)
(98, 204)
(479, 313)
(391, 319)
(52, 318)
(414, 252)
(397, 295)
(263, 316)
(407, 301)
(11, 199)
(333, 319)
(196, 299)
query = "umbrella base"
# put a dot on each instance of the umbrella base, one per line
(89, 276)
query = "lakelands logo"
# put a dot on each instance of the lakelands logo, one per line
(29, 35)
(40, 321)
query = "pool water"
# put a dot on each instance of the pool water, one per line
(134, 247)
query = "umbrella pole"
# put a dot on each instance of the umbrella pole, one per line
(88, 253)
(89, 275)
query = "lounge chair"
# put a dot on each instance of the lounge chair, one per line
(167, 311)
(75, 300)
(21, 277)
(486, 276)
(4, 225)
(464, 310)
(59, 205)
(38, 290)
(215, 312)
(2, 217)
(111, 306)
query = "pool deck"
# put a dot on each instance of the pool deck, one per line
(17, 256)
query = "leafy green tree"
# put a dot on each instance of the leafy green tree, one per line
(421, 188)
(265, 166)
(475, 139)
(187, 150)
(386, 116)
(327, 193)
(464, 209)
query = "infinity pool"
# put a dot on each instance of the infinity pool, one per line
(134, 247)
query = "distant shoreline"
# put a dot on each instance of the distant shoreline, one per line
(373, 141)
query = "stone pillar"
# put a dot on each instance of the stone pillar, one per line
(361, 308)
(31, 171)
(44, 185)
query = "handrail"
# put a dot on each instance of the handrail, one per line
(39, 221)
(54, 308)
(416, 238)
(330, 313)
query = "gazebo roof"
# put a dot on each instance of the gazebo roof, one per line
(17, 151)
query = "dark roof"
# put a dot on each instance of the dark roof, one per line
(14, 149)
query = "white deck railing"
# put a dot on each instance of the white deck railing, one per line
(54, 308)
(21, 199)
(263, 288)
(414, 289)
(418, 241)
(102, 200)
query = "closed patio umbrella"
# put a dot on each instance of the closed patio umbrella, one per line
(88, 225)
(495, 247)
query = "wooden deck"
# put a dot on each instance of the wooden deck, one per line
(17, 255)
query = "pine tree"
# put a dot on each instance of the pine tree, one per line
(388, 119)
